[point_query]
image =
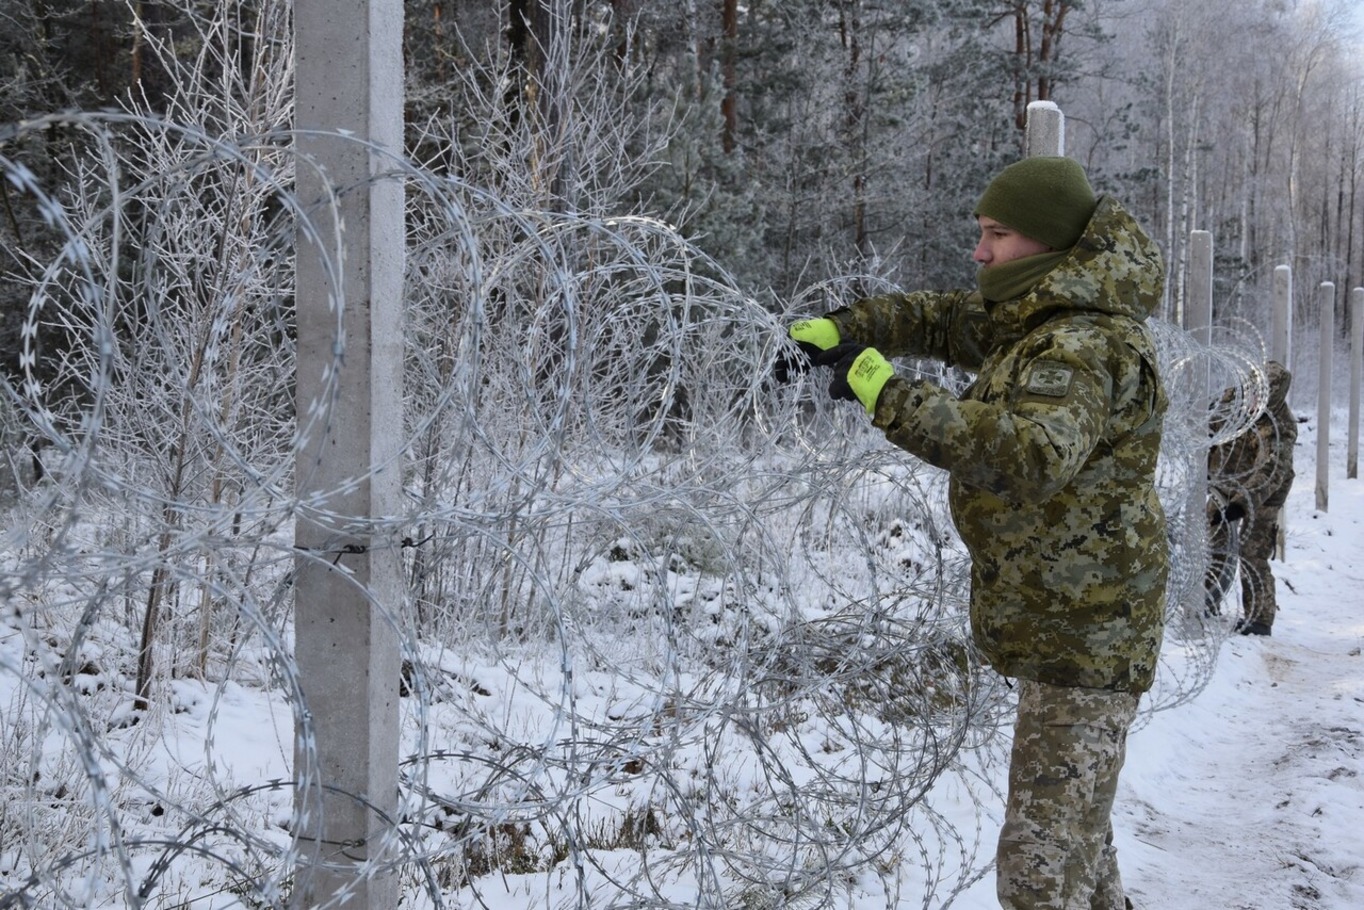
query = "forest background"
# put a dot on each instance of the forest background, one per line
(799, 138)
(663, 616)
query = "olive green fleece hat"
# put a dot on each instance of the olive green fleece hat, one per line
(1046, 198)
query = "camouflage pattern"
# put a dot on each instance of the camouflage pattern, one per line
(1052, 453)
(1224, 549)
(1259, 600)
(1255, 471)
(1056, 846)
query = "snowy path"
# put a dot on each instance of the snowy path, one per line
(1252, 796)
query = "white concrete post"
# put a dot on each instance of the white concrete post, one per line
(348, 56)
(1281, 350)
(1325, 354)
(1045, 134)
(1281, 318)
(1198, 319)
(1356, 369)
(1198, 312)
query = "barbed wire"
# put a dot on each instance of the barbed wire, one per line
(673, 633)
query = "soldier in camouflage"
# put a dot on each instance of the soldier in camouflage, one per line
(1250, 476)
(1052, 454)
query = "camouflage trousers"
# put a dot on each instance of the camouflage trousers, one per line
(1258, 601)
(1244, 548)
(1056, 847)
(1224, 553)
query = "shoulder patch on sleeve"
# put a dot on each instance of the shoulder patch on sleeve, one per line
(1049, 378)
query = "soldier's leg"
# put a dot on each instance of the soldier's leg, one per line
(1054, 848)
(1108, 890)
(1257, 579)
(1222, 556)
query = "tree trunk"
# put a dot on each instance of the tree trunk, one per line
(854, 118)
(1035, 62)
(149, 76)
(534, 32)
(729, 105)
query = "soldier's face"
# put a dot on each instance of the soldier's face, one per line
(1000, 244)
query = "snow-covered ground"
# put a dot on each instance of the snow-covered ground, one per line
(1248, 796)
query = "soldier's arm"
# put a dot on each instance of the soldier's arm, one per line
(948, 326)
(1023, 445)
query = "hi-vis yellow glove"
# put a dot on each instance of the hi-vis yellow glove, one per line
(859, 373)
(812, 336)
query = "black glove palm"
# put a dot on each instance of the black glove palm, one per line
(840, 359)
(791, 364)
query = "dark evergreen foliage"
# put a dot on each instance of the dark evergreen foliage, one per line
(803, 139)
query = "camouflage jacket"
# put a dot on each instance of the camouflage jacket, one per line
(1255, 469)
(1051, 453)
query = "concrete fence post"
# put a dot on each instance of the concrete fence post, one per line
(1045, 135)
(1198, 318)
(1356, 368)
(1198, 290)
(1326, 347)
(1281, 350)
(1281, 317)
(348, 582)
